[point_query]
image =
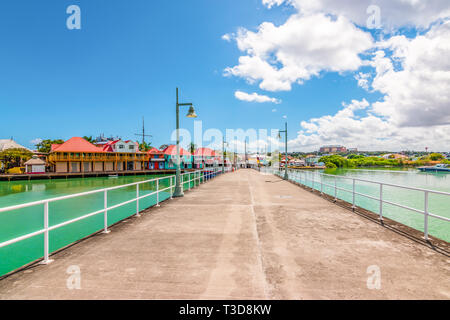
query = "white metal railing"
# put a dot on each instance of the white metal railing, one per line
(195, 177)
(301, 177)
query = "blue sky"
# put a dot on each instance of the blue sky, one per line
(126, 62)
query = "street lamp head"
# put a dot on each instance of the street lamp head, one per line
(191, 113)
(279, 135)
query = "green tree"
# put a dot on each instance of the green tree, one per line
(89, 139)
(436, 157)
(45, 145)
(355, 156)
(144, 146)
(192, 147)
(15, 157)
(162, 147)
(330, 165)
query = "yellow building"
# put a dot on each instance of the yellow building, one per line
(77, 155)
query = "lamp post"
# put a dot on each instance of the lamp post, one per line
(285, 131)
(223, 154)
(245, 153)
(178, 192)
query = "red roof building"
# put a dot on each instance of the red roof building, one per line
(172, 151)
(121, 146)
(78, 155)
(108, 146)
(154, 151)
(76, 144)
(170, 154)
(204, 152)
(156, 159)
(204, 157)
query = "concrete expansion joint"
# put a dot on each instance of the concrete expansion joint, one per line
(258, 244)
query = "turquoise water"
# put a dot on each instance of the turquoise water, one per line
(23, 221)
(438, 204)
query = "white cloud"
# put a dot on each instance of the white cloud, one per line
(394, 13)
(413, 74)
(254, 97)
(419, 93)
(36, 141)
(226, 37)
(368, 132)
(363, 80)
(301, 48)
(271, 3)
(414, 112)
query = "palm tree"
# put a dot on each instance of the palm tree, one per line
(192, 147)
(89, 139)
(145, 146)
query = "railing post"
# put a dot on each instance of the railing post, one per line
(353, 201)
(105, 216)
(137, 201)
(157, 192)
(381, 202)
(321, 184)
(335, 188)
(171, 188)
(46, 236)
(189, 181)
(426, 212)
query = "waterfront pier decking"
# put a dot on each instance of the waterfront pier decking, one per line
(243, 235)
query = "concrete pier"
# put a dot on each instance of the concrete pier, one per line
(243, 235)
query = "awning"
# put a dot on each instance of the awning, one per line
(157, 160)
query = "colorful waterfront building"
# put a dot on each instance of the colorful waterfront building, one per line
(170, 155)
(312, 160)
(283, 160)
(77, 155)
(156, 159)
(204, 157)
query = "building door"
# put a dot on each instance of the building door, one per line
(130, 166)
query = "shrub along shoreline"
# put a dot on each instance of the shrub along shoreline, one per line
(354, 161)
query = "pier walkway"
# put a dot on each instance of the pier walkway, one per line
(243, 235)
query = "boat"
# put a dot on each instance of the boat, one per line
(113, 176)
(437, 168)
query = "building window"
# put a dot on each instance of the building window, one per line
(121, 146)
(131, 147)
